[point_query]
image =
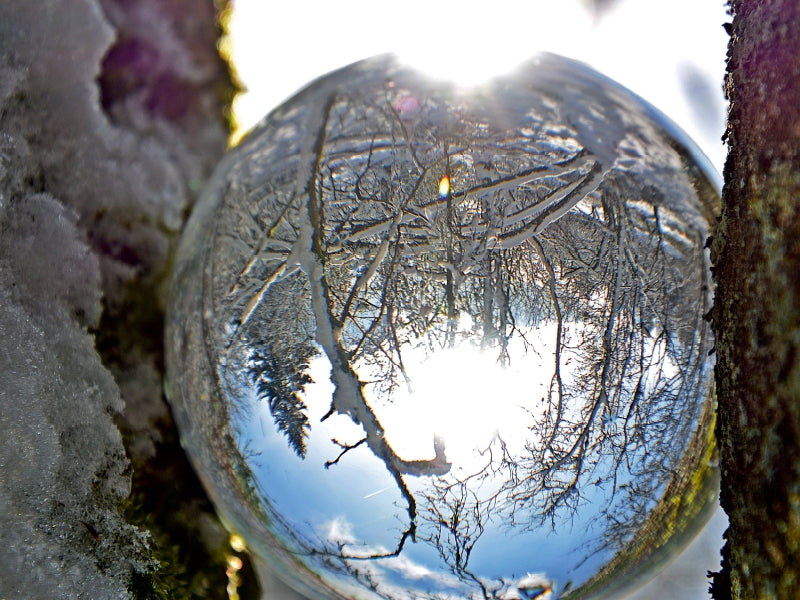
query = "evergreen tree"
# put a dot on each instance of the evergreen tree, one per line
(280, 377)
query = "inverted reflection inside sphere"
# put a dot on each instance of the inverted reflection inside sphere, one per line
(429, 343)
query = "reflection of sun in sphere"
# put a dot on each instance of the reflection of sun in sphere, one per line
(465, 396)
(424, 342)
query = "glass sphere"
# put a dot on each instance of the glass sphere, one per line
(433, 342)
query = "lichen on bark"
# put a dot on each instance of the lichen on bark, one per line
(756, 315)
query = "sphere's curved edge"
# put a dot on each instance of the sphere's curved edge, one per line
(624, 577)
(191, 375)
(678, 134)
(330, 80)
(204, 426)
(540, 61)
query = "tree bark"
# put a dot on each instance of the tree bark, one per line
(756, 315)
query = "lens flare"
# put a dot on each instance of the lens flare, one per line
(444, 187)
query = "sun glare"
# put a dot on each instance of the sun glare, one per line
(465, 396)
(467, 43)
(461, 394)
(277, 48)
(472, 44)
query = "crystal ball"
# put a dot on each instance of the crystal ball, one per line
(433, 342)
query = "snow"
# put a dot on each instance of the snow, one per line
(90, 203)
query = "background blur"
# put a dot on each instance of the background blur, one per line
(670, 53)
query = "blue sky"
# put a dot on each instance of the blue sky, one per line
(281, 50)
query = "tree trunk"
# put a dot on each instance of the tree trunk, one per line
(756, 316)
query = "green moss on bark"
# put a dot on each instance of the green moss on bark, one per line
(756, 316)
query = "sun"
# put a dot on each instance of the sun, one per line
(466, 396)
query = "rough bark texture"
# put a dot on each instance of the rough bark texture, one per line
(756, 317)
